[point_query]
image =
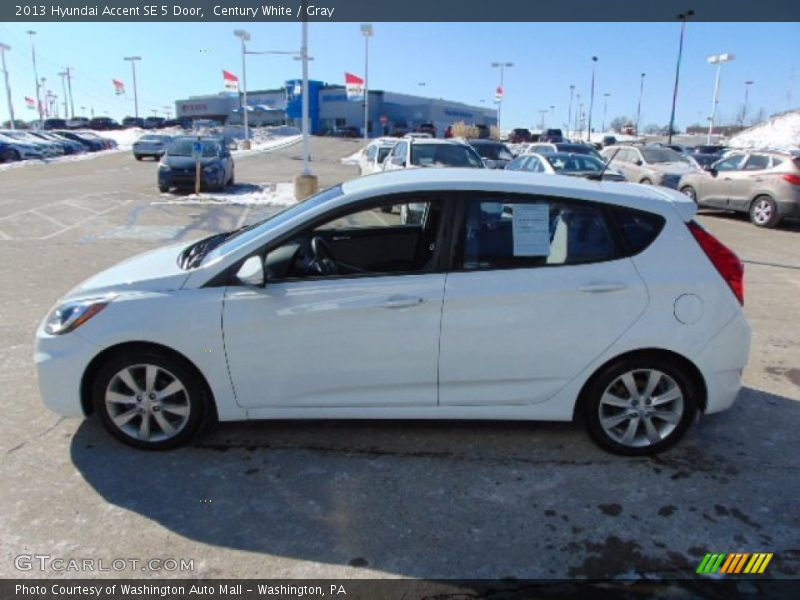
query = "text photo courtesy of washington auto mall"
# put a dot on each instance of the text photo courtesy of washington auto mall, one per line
(378, 300)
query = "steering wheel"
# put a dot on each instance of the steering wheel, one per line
(324, 261)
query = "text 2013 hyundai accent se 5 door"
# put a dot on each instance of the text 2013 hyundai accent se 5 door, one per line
(516, 296)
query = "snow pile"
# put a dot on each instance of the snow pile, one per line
(268, 144)
(244, 194)
(780, 132)
(352, 159)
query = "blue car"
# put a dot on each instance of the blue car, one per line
(177, 168)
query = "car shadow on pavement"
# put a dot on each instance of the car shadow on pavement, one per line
(470, 499)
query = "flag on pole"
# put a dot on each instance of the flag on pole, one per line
(355, 86)
(498, 95)
(119, 87)
(231, 81)
(30, 103)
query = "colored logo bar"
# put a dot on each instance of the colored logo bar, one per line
(734, 563)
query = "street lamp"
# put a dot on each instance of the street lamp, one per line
(542, 113)
(366, 31)
(747, 85)
(244, 37)
(569, 111)
(63, 75)
(639, 105)
(577, 114)
(605, 109)
(719, 60)
(591, 100)
(682, 17)
(3, 49)
(32, 33)
(132, 60)
(502, 66)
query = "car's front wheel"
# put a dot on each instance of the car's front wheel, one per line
(149, 399)
(640, 406)
(689, 191)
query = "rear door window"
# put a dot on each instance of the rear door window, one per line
(517, 231)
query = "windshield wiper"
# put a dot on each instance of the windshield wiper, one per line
(194, 254)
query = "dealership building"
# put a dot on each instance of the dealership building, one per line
(330, 108)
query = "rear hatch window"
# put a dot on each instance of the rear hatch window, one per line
(638, 229)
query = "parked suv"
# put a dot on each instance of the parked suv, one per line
(519, 135)
(653, 165)
(766, 185)
(553, 135)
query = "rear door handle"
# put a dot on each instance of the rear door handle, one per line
(402, 302)
(602, 287)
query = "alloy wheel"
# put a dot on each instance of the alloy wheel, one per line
(147, 402)
(762, 211)
(641, 408)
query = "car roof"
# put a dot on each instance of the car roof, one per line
(645, 197)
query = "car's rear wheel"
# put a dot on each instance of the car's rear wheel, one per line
(149, 399)
(163, 188)
(137, 156)
(689, 191)
(640, 406)
(764, 212)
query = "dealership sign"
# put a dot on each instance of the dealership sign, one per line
(355, 87)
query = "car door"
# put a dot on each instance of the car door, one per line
(745, 181)
(624, 162)
(368, 337)
(535, 295)
(717, 187)
(397, 159)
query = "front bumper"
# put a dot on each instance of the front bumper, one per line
(186, 178)
(61, 361)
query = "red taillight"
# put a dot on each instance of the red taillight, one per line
(723, 259)
(792, 178)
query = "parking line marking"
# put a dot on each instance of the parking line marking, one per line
(47, 217)
(241, 219)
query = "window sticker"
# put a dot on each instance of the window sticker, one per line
(531, 230)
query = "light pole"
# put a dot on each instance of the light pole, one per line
(32, 33)
(552, 114)
(719, 60)
(167, 110)
(366, 31)
(244, 36)
(605, 110)
(132, 60)
(63, 76)
(306, 183)
(43, 108)
(639, 105)
(3, 49)
(578, 114)
(502, 66)
(69, 88)
(682, 17)
(747, 85)
(591, 100)
(569, 111)
(542, 113)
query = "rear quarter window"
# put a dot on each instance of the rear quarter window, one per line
(637, 229)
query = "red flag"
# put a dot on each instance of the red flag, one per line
(498, 95)
(30, 103)
(354, 86)
(230, 80)
(119, 86)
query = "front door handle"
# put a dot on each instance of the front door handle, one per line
(402, 302)
(602, 287)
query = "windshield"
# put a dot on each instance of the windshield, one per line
(493, 151)
(661, 155)
(184, 148)
(245, 235)
(444, 155)
(575, 162)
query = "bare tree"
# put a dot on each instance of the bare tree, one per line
(618, 123)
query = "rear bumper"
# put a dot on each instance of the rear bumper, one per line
(722, 362)
(789, 208)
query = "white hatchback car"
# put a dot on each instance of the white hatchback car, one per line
(517, 296)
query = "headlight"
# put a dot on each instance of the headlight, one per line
(71, 315)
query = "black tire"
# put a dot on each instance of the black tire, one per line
(193, 397)
(163, 189)
(689, 191)
(682, 410)
(232, 180)
(764, 212)
(11, 156)
(137, 156)
(646, 181)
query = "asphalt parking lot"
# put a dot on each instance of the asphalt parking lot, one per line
(371, 499)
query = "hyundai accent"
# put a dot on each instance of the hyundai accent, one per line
(515, 296)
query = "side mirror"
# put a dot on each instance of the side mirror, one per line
(252, 272)
(711, 170)
(638, 162)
